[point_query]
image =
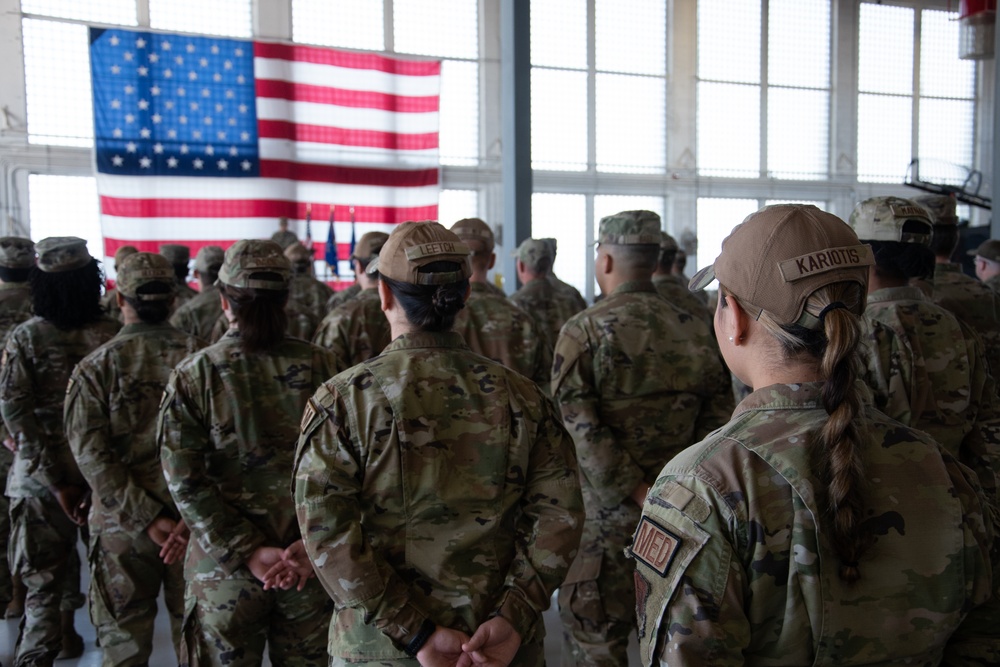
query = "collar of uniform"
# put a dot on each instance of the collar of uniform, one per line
(803, 396)
(139, 327)
(14, 286)
(948, 267)
(418, 339)
(904, 293)
(635, 286)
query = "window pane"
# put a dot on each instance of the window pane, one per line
(121, 12)
(49, 200)
(797, 133)
(818, 204)
(558, 119)
(349, 24)
(799, 43)
(232, 18)
(716, 218)
(884, 137)
(631, 119)
(563, 217)
(631, 36)
(729, 40)
(885, 49)
(946, 131)
(459, 133)
(454, 205)
(942, 73)
(57, 83)
(605, 205)
(728, 141)
(559, 33)
(446, 28)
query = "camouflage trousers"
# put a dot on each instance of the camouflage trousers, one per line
(43, 554)
(228, 621)
(6, 585)
(126, 574)
(529, 655)
(597, 599)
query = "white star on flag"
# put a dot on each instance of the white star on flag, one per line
(145, 162)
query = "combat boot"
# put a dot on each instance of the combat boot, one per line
(72, 642)
(15, 608)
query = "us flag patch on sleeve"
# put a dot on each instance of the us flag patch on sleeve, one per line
(655, 546)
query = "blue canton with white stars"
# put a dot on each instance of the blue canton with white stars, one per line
(172, 105)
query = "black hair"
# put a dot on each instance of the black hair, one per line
(152, 312)
(430, 307)
(301, 268)
(181, 271)
(9, 275)
(210, 275)
(667, 258)
(902, 261)
(68, 299)
(260, 313)
(944, 241)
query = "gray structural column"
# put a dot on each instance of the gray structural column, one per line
(995, 190)
(515, 129)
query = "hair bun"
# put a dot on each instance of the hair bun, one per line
(447, 301)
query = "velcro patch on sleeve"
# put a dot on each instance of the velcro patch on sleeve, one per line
(655, 546)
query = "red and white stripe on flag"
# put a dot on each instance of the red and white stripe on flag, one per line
(334, 128)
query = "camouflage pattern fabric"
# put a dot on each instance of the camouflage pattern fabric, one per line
(733, 565)
(310, 294)
(227, 430)
(110, 422)
(675, 290)
(38, 359)
(569, 292)
(355, 331)
(342, 296)
(182, 294)
(637, 380)
(284, 238)
(993, 283)
(550, 306)
(109, 302)
(432, 483)
(301, 324)
(495, 328)
(199, 315)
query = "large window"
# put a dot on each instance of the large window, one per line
(65, 206)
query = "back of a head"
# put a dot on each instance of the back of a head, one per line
(479, 238)
(427, 268)
(301, 258)
(179, 256)
(633, 239)
(17, 256)
(368, 247)
(254, 279)
(122, 253)
(66, 283)
(943, 210)
(146, 281)
(668, 253)
(803, 275)
(536, 255)
(989, 252)
(900, 234)
(207, 263)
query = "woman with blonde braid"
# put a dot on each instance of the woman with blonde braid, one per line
(811, 529)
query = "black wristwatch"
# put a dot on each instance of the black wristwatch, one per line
(427, 628)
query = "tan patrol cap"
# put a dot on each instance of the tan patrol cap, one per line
(988, 249)
(296, 252)
(630, 228)
(209, 256)
(943, 208)
(369, 246)
(553, 245)
(17, 252)
(413, 245)
(883, 219)
(124, 252)
(476, 234)
(249, 256)
(176, 253)
(62, 253)
(777, 257)
(668, 243)
(142, 268)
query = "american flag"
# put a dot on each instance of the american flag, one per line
(204, 140)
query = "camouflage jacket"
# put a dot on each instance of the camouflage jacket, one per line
(993, 283)
(38, 360)
(675, 290)
(310, 294)
(198, 316)
(550, 307)
(110, 422)
(734, 565)
(494, 327)
(356, 331)
(301, 324)
(15, 307)
(182, 294)
(569, 292)
(342, 297)
(110, 304)
(637, 381)
(973, 303)
(227, 430)
(433, 483)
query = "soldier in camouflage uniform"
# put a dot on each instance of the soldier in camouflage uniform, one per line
(966, 298)
(343, 296)
(673, 287)
(179, 256)
(108, 301)
(357, 330)
(764, 543)
(988, 263)
(637, 380)
(304, 289)
(46, 489)
(539, 295)
(110, 422)
(490, 324)
(283, 236)
(198, 316)
(17, 256)
(567, 291)
(436, 490)
(227, 430)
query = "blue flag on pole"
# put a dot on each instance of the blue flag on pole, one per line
(331, 247)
